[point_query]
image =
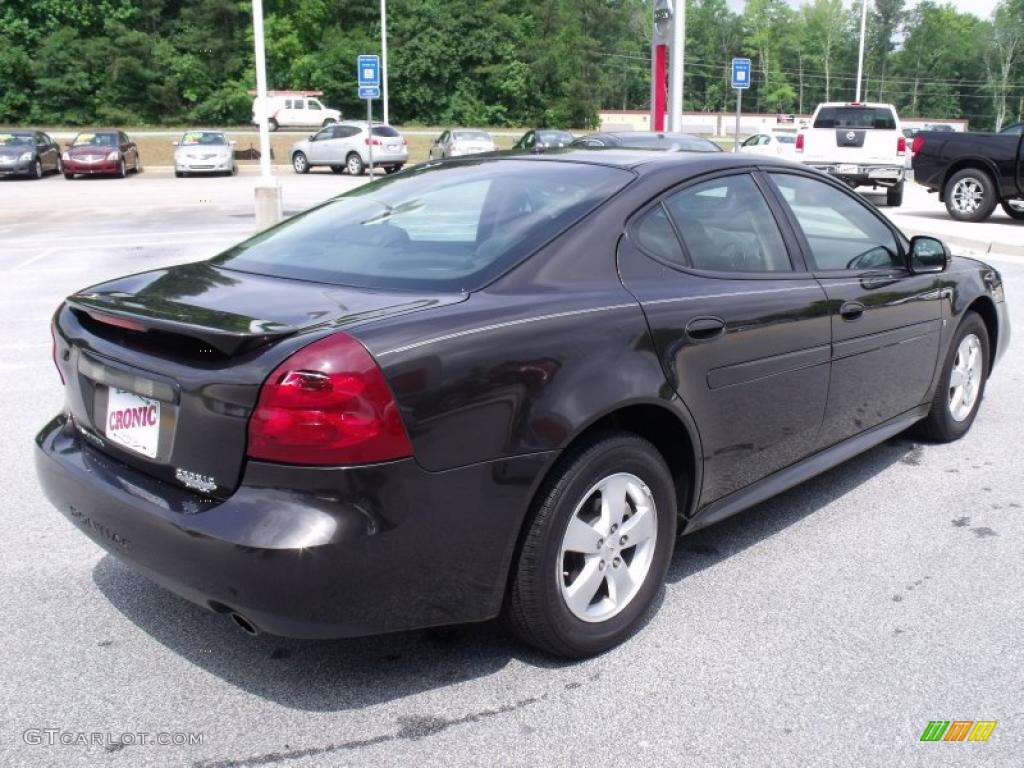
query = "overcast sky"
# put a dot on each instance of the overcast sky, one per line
(981, 8)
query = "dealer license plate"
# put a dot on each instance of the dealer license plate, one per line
(133, 421)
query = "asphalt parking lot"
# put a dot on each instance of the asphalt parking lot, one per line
(825, 627)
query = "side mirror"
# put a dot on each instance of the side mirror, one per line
(928, 254)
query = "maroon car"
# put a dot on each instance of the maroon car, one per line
(109, 153)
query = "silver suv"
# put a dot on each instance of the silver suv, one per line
(346, 147)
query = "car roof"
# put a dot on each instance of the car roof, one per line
(635, 159)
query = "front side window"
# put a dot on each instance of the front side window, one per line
(313, 104)
(753, 141)
(840, 230)
(727, 226)
(435, 228)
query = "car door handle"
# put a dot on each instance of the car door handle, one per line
(851, 310)
(705, 328)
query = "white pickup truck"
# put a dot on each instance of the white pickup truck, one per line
(862, 144)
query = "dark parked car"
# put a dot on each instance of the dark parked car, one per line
(973, 172)
(672, 142)
(28, 153)
(104, 153)
(544, 138)
(502, 385)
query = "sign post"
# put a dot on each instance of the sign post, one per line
(740, 82)
(368, 79)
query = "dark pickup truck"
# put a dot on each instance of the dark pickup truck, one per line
(973, 172)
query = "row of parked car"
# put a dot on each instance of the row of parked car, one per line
(108, 153)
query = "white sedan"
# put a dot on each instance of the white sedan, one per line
(771, 143)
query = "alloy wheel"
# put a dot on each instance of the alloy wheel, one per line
(965, 377)
(608, 547)
(968, 195)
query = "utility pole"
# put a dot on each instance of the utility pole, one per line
(860, 55)
(268, 193)
(675, 77)
(384, 56)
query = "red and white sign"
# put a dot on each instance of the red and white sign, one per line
(133, 421)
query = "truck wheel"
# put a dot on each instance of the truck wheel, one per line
(1014, 213)
(327, 122)
(272, 124)
(970, 195)
(894, 196)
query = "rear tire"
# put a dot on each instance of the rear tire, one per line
(337, 169)
(68, 176)
(179, 174)
(272, 125)
(392, 169)
(573, 598)
(894, 196)
(970, 195)
(1013, 213)
(949, 419)
(354, 164)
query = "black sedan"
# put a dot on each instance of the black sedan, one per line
(672, 142)
(502, 385)
(28, 153)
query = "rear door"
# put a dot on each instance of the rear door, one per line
(740, 325)
(885, 320)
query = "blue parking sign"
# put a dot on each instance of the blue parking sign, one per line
(741, 73)
(368, 71)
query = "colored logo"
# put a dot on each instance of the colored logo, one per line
(958, 730)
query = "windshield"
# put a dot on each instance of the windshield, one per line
(449, 228)
(95, 140)
(471, 136)
(554, 137)
(880, 118)
(15, 139)
(206, 138)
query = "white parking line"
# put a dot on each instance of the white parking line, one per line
(33, 259)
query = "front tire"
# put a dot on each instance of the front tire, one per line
(122, 171)
(596, 549)
(1013, 213)
(300, 163)
(37, 169)
(962, 383)
(894, 196)
(970, 195)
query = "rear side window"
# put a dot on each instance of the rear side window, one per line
(841, 231)
(881, 118)
(727, 226)
(434, 228)
(654, 233)
(385, 130)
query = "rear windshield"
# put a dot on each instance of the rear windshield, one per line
(881, 118)
(786, 139)
(385, 130)
(471, 136)
(450, 228)
(554, 137)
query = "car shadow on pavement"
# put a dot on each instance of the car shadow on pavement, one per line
(335, 675)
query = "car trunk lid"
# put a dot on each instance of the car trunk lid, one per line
(163, 368)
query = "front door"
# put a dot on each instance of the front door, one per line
(885, 321)
(740, 325)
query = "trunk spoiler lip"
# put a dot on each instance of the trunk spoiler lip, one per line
(140, 318)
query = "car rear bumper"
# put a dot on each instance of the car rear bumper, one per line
(863, 174)
(301, 551)
(386, 158)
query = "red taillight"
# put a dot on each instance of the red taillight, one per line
(119, 322)
(916, 146)
(375, 142)
(799, 142)
(53, 338)
(328, 404)
(901, 145)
